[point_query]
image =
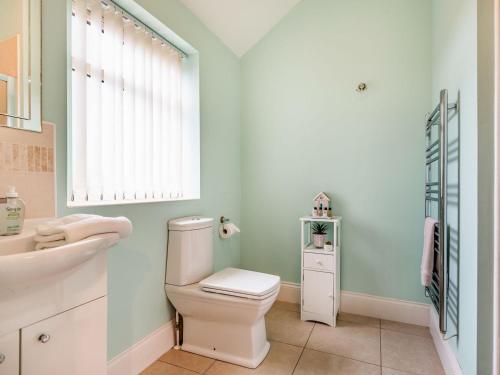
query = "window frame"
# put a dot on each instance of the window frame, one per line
(191, 168)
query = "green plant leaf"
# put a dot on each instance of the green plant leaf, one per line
(319, 228)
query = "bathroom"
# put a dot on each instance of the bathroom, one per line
(282, 100)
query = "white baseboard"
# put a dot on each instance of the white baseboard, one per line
(368, 305)
(385, 308)
(142, 354)
(448, 359)
(289, 292)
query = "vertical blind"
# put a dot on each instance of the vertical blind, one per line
(126, 107)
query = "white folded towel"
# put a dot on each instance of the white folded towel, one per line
(75, 228)
(49, 245)
(52, 227)
(428, 252)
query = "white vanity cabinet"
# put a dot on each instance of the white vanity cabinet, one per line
(320, 286)
(56, 324)
(69, 343)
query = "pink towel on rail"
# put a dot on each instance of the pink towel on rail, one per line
(428, 252)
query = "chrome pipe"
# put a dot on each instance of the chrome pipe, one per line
(430, 161)
(443, 175)
(496, 197)
(430, 147)
(430, 118)
(431, 153)
(177, 345)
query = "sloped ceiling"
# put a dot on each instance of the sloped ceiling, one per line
(240, 24)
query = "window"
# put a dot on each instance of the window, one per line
(134, 136)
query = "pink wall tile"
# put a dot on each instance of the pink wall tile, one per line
(31, 158)
(50, 159)
(27, 162)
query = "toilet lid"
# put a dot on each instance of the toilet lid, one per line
(241, 283)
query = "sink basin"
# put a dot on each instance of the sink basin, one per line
(21, 265)
(36, 284)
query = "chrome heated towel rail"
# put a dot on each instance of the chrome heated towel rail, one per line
(436, 151)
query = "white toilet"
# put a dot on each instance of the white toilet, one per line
(223, 312)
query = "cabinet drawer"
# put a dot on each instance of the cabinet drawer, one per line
(323, 262)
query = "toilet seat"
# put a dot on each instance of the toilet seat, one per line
(241, 283)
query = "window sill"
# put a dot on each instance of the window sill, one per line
(72, 204)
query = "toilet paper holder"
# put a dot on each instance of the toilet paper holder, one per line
(226, 228)
(224, 220)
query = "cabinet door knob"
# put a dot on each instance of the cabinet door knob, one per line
(319, 262)
(44, 338)
(330, 295)
(2, 358)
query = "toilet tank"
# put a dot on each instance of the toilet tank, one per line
(190, 250)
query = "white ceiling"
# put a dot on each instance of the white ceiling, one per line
(240, 24)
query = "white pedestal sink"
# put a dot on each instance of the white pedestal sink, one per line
(62, 290)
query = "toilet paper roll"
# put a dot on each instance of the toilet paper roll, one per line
(228, 230)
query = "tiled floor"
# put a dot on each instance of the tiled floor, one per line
(358, 346)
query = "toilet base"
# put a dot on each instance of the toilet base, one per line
(242, 345)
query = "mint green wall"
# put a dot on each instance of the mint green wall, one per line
(485, 172)
(137, 303)
(305, 129)
(454, 56)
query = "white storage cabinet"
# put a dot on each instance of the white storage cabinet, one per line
(320, 268)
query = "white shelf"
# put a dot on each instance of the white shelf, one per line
(310, 248)
(321, 218)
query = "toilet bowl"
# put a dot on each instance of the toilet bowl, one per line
(224, 327)
(223, 313)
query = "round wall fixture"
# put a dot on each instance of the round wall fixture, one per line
(362, 87)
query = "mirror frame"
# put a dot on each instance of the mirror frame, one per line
(33, 92)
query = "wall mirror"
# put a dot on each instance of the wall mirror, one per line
(20, 64)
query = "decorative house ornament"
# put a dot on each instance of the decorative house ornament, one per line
(321, 204)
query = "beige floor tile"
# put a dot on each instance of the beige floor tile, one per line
(318, 363)
(281, 360)
(369, 321)
(286, 306)
(406, 328)
(285, 326)
(410, 353)
(351, 340)
(390, 371)
(161, 368)
(187, 360)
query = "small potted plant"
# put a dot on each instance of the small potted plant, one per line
(319, 234)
